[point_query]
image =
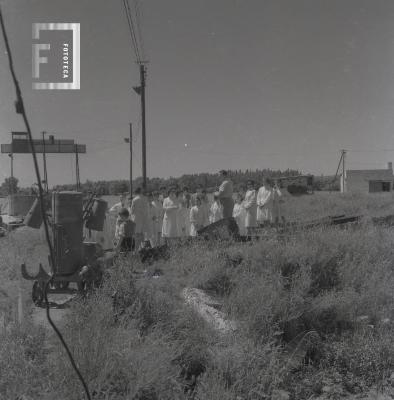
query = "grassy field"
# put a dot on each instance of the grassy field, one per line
(314, 315)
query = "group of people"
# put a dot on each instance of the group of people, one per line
(258, 207)
(160, 217)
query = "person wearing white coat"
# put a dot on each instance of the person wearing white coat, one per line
(250, 206)
(157, 217)
(264, 203)
(139, 214)
(239, 214)
(151, 234)
(118, 206)
(216, 210)
(277, 216)
(196, 217)
(204, 206)
(182, 216)
(268, 202)
(170, 208)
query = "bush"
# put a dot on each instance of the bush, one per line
(297, 189)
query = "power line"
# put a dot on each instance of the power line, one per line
(131, 29)
(20, 109)
(132, 33)
(137, 11)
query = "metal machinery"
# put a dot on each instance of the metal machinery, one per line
(72, 254)
(297, 184)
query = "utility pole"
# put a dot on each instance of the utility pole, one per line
(77, 168)
(11, 155)
(11, 188)
(142, 78)
(130, 141)
(140, 90)
(343, 171)
(44, 159)
(12, 173)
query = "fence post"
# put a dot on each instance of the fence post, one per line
(20, 304)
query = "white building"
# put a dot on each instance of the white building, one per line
(368, 180)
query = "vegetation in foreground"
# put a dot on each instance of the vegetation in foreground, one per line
(314, 318)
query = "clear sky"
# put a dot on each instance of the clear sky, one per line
(244, 83)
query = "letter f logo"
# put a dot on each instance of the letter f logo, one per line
(41, 56)
(37, 60)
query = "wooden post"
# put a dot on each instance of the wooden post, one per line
(131, 160)
(343, 171)
(44, 160)
(77, 168)
(20, 305)
(142, 78)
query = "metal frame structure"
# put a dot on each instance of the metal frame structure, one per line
(20, 145)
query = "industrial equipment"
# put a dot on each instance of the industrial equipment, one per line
(72, 255)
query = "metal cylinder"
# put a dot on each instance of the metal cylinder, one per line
(68, 231)
(33, 218)
(96, 218)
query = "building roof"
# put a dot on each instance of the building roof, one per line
(371, 174)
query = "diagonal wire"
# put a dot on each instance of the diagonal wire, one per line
(131, 30)
(132, 33)
(137, 11)
(21, 110)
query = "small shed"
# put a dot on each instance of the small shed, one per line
(369, 180)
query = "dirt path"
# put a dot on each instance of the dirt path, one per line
(57, 314)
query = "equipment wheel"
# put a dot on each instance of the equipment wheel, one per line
(38, 293)
(62, 285)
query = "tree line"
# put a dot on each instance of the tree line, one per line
(208, 181)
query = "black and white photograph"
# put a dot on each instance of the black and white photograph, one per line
(196, 199)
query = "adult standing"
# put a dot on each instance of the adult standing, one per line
(250, 206)
(162, 191)
(239, 213)
(216, 210)
(226, 195)
(196, 217)
(186, 196)
(151, 230)
(269, 203)
(188, 201)
(170, 208)
(118, 206)
(197, 193)
(277, 216)
(264, 202)
(157, 216)
(182, 216)
(205, 206)
(139, 211)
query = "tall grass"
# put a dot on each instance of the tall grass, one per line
(314, 315)
(24, 245)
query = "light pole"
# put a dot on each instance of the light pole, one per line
(11, 189)
(11, 155)
(44, 162)
(140, 90)
(130, 141)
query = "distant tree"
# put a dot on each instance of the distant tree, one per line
(326, 183)
(10, 185)
(209, 181)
